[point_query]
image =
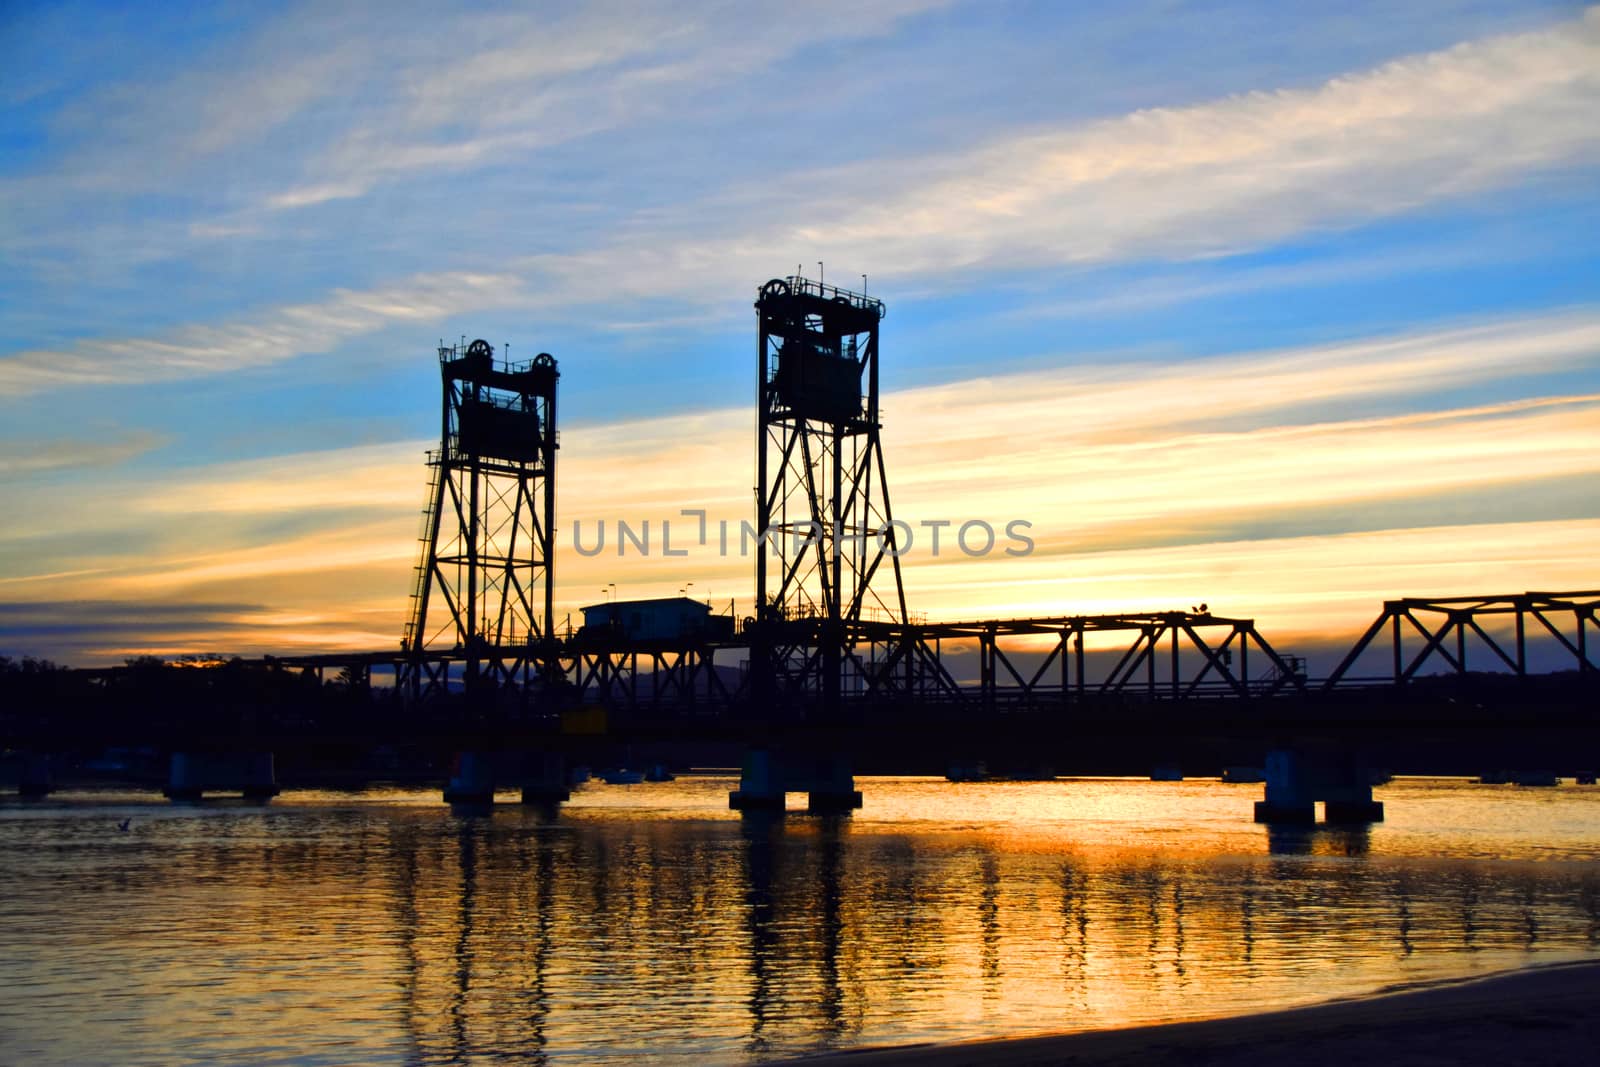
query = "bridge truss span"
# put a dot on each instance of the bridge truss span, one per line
(1169, 655)
(995, 664)
(1436, 632)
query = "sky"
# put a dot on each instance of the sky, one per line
(1288, 314)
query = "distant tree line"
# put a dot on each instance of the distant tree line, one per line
(150, 698)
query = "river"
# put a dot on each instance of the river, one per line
(383, 927)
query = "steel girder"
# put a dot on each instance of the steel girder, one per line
(1445, 624)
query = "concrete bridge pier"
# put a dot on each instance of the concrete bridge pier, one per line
(191, 775)
(1352, 803)
(768, 776)
(1299, 777)
(36, 779)
(544, 778)
(831, 786)
(471, 779)
(761, 783)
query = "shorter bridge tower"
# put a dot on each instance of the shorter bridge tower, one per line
(483, 591)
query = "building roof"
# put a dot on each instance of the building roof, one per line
(655, 602)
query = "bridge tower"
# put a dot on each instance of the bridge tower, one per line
(822, 497)
(483, 590)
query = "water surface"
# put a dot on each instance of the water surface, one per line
(383, 927)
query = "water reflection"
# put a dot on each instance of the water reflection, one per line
(779, 936)
(463, 942)
(759, 828)
(831, 1006)
(989, 923)
(1074, 936)
(416, 935)
(1327, 840)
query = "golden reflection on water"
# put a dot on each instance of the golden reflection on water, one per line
(647, 920)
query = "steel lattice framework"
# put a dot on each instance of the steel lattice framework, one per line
(1172, 655)
(1443, 629)
(822, 497)
(483, 589)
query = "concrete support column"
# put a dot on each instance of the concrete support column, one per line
(1298, 778)
(832, 788)
(1351, 803)
(544, 778)
(37, 778)
(761, 783)
(1289, 796)
(185, 779)
(259, 780)
(768, 776)
(471, 779)
(190, 775)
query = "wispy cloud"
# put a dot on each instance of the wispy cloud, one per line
(370, 477)
(271, 337)
(1210, 479)
(18, 457)
(349, 547)
(533, 84)
(1235, 174)
(1249, 169)
(108, 630)
(1134, 399)
(1202, 282)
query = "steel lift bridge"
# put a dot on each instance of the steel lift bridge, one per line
(831, 646)
(832, 632)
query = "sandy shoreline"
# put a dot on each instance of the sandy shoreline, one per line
(1542, 1015)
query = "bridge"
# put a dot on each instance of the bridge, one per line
(832, 670)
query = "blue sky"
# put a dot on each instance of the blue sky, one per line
(232, 236)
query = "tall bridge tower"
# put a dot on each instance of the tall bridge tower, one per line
(483, 590)
(822, 495)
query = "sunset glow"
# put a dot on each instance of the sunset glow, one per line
(1292, 338)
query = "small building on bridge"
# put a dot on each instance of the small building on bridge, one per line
(665, 619)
